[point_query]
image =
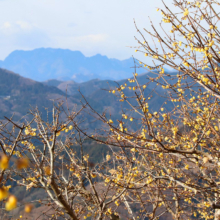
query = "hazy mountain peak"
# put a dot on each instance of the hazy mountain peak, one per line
(63, 64)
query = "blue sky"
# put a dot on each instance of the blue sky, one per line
(90, 26)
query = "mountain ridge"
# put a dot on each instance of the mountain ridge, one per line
(63, 64)
(18, 95)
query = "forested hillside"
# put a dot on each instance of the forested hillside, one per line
(18, 94)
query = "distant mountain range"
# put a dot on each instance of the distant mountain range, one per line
(46, 63)
(19, 94)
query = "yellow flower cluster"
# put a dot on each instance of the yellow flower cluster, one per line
(11, 203)
(4, 162)
(30, 131)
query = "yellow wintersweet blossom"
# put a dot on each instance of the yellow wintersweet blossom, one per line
(124, 116)
(93, 175)
(11, 203)
(4, 161)
(58, 134)
(110, 121)
(175, 130)
(205, 159)
(161, 155)
(109, 210)
(3, 193)
(186, 64)
(30, 131)
(72, 169)
(47, 170)
(186, 12)
(108, 157)
(28, 208)
(22, 163)
(162, 71)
